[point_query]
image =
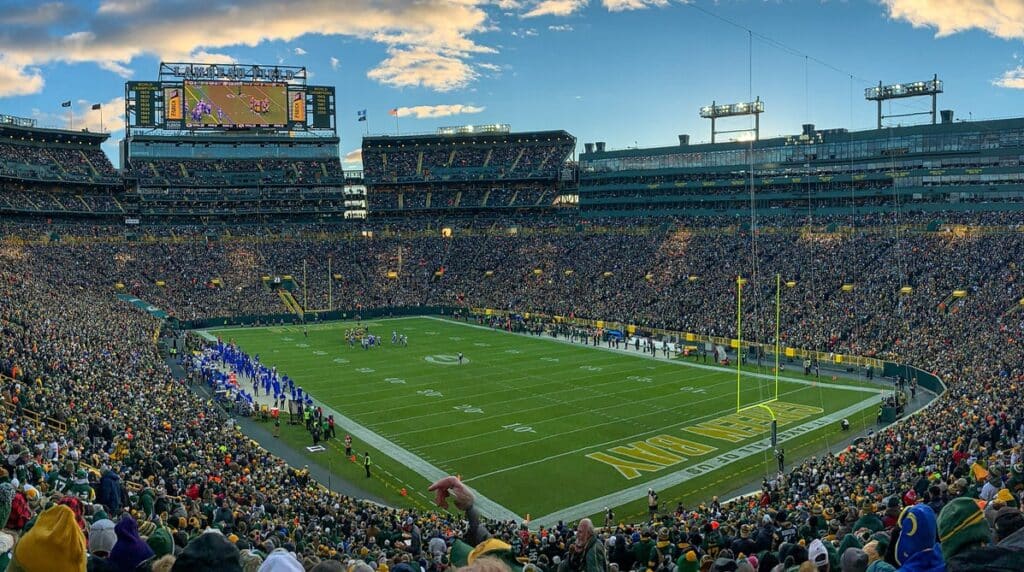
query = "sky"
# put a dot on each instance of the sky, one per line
(626, 72)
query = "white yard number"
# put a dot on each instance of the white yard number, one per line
(693, 389)
(429, 393)
(365, 370)
(395, 380)
(519, 428)
(550, 359)
(591, 368)
(639, 378)
(468, 409)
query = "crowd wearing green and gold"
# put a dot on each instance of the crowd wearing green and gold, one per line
(110, 463)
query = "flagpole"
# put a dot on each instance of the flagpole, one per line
(330, 286)
(101, 120)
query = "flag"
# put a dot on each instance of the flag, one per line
(361, 115)
(96, 106)
(66, 103)
(393, 112)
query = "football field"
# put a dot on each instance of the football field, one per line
(546, 427)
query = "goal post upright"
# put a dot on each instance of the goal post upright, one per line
(778, 322)
(739, 335)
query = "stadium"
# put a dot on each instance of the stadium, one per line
(507, 350)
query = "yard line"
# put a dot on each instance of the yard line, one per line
(558, 403)
(542, 395)
(561, 403)
(588, 387)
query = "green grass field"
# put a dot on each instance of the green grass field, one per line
(541, 427)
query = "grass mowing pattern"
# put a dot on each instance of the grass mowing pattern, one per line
(517, 419)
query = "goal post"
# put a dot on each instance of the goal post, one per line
(773, 385)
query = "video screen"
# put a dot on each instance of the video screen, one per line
(235, 104)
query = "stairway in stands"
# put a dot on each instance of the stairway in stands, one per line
(290, 302)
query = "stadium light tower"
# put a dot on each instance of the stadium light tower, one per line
(715, 111)
(932, 87)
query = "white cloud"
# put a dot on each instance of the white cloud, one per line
(434, 111)
(1002, 18)
(19, 80)
(1013, 79)
(560, 28)
(489, 67)
(209, 58)
(124, 6)
(622, 5)
(353, 159)
(335, 63)
(299, 51)
(116, 68)
(424, 35)
(509, 4)
(555, 8)
(423, 67)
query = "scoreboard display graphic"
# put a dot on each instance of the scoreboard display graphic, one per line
(236, 104)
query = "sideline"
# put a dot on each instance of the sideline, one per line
(414, 462)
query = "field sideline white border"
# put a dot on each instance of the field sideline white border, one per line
(494, 510)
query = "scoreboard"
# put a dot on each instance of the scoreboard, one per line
(145, 102)
(322, 99)
(167, 105)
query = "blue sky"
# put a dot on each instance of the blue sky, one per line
(628, 72)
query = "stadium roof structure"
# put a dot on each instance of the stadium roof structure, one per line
(448, 138)
(48, 135)
(840, 135)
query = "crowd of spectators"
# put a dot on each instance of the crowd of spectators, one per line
(904, 498)
(56, 163)
(174, 173)
(435, 160)
(462, 196)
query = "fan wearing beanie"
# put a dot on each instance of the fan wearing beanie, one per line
(54, 544)
(916, 546)
(130, 550)
(967, 542)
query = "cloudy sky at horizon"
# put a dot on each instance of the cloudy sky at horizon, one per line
(628, 72)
